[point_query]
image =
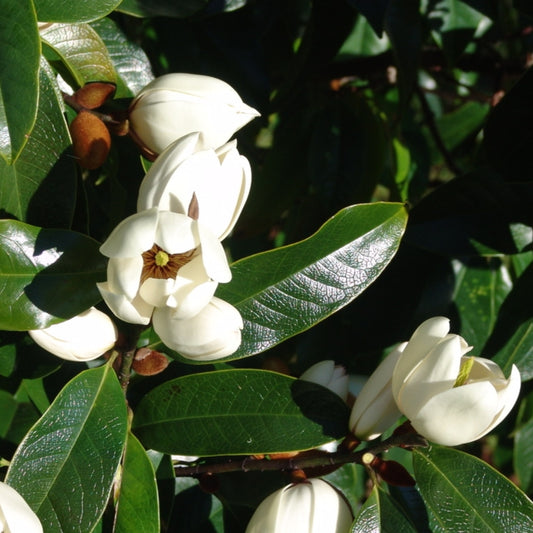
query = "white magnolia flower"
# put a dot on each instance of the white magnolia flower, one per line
(174, 105)
(313, 506)
(450, 399)
(159, 258)
(16, 516)
(213, 333)
(81, 338)
(374, 409)
(219, 178)
(328, 375)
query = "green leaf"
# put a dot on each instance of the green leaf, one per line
(238, 412)
(285, 291)
(523, 456)
(40, 187)
(480, 288)
(19, 70)
(129, 59)
(511, 341)
(373, 10)
(81, 51)
(65, 466)
(67, 11)
(137, 507)
(46, 275)
(162, 8)
(464, 493)
(380, 514)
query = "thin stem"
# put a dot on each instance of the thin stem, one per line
(126, 347)
(248, 463)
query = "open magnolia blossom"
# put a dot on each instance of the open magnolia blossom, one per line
(450, 398)
(16, 516)
(213, 333)
(219, 178)
(312, 506)
(328, 375)
(81, 338)
(157, 259)
(375, 410)
(174, 105)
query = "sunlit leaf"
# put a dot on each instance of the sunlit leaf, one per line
(67, 11)
(65, 466)
(235, 412)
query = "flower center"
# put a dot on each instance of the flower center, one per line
(159, 264)
(464, 372)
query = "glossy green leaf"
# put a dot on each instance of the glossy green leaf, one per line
(363, 41)
(523, 456)
(463, 493)
(137, 507)
(162, 8)
(480, 288)
(285, 291)
(65, 466)
(19, 74)
(476, 214)
(67, 11)
(238, 412)
(129, 59)
(40, 187)
(81, 51)
(511, 341)
(380, 514)
(46, 275)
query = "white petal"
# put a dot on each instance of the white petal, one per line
(166, 174)
(421, 342)
(435, 374)
(507, 396)
(213, 256)
(16, 513)
(135, 311)
(155, 292)
(81, 338)
(459, 415)
(132, 236)
(124, 275)
(191, 297)
(176, 233)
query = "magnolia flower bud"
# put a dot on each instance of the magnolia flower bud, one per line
(219, 180)
(82, 338)
(374, 410)
(450, 399)
(328, 375)
(313, 506)
(174, 105)
(16, 515)
(215, 332)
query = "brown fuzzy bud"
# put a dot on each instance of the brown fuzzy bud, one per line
(94, 94)
(393, 473)
(90, 140)
(149, 362)
(276, 364)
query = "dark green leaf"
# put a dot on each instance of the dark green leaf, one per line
(508, 134)
(472, 215)
(67, 11)
(162, 8)
(46, 275)
(129, 59)
(238, 412)
(137, 507)
(82, 52)
(19, 74)
(523, 456)
(285, 291)
(380, 514)
(463, 493)
(40, 188)
(481, 287)
(66, 464)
